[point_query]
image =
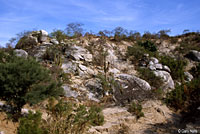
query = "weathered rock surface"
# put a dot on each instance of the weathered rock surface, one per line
(54, 41)
(118, 120)
(78, 53)
(69, 92)
(21, 53)
(167, 79)
(194, 55)
(69, 67)
(43, 35)
(189, 77)
(129, 87)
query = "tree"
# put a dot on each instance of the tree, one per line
(74, 29)
(120, 33)
(58, 34)
(25, 81)
(164, 33)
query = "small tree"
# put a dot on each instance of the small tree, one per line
(120, 33)
(74, 29)
(25, 81)
(58, 34)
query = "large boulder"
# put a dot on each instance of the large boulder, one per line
(129, 87)
(78, 53)
(27, 42)
(188, 76)
(69, 67)
(54, 41)
(166, 78)
(40, 51)
(95, 87)
(194, 55)
(21, 53)
(69, 92)
(43, 36)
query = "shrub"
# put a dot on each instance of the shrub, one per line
(59, 35)
(176, 66)
(148, 45)
(31, 124)
(25, 81)
(71, 118)
(136, 53)
(150, 77)
(195, 71)
(186, 98)
(136, 109)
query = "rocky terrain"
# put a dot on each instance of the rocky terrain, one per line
(99, 71)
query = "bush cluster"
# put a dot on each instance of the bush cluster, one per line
(65, 118)
(25, 81)
(150, 77)
(186, 97)
(176, 66)
(136, 109)
(148, 45)
(136, 52)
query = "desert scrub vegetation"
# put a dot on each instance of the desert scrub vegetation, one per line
(59, 35)
(176, 66)
(150, 77)
(136, 52)
(186, 97)
(190, 41)
(25, 81)
(64, 118)
(31, 123)
(136, 109)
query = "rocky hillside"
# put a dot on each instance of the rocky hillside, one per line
(133, 80)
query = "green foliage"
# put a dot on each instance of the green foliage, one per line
(135, 53)
(95, 116)
(106, 82)
(136, 109)
(150, 77)
(186, 97)
(31, 124)
(54, 53)
(176, 66)
(176, 98)
(189, 41)
(59, 35)
(67, 118)
(25, 81)
(24, 41)
(148, 45)
(195, 71)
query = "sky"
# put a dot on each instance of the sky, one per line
(138, 15)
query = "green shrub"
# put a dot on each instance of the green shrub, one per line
(25, 43)
(71, 118)
(25, 81)
(150, 77)
(59, 35)
(185, 97)
(195, 71)
(136, 109)
(176, 98)
(148, 45)
(176, 66)
(31, 124)
(136, 52)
